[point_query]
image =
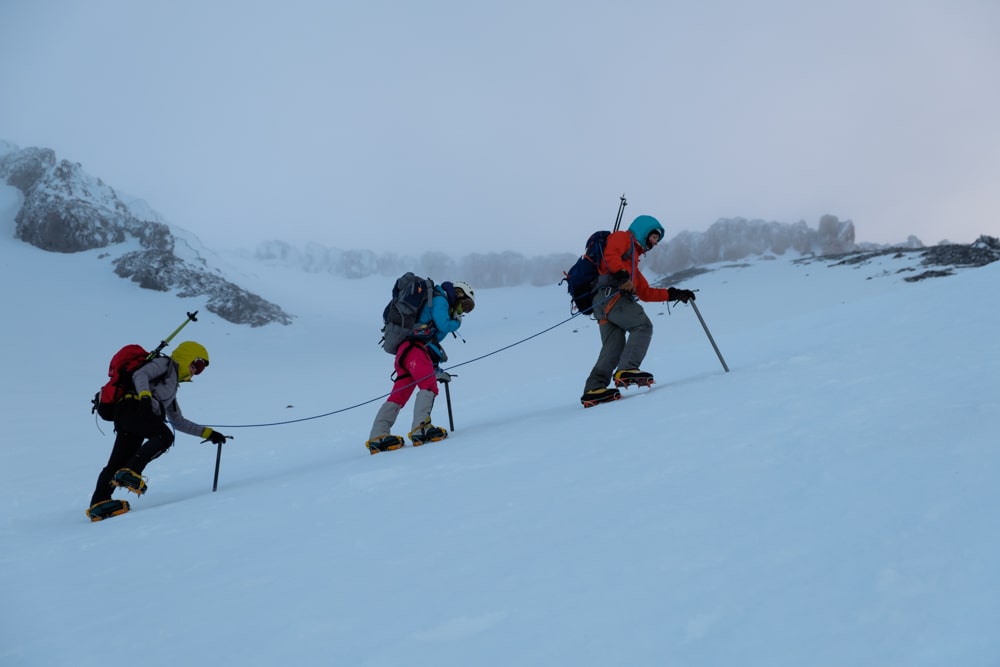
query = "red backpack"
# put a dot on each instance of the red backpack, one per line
(125, 362)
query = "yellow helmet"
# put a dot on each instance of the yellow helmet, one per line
(187, 353)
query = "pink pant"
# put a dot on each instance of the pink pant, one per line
(413, 369)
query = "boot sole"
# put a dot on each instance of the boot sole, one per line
(591, 403)
(390, 448)
(417, 443)
(101, 517)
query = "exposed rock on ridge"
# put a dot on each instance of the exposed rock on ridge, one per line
(731, 239)
(66, 210)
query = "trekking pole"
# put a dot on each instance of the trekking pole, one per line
(621, 209)
(191, 317)
(709, 334)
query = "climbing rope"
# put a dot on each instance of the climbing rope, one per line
(384, 396)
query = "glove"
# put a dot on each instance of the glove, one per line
(682, 295)
(146, 401)
(214, 437)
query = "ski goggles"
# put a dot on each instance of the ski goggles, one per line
(198, 365)
(465, 304)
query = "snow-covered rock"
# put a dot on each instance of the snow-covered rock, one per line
(67, 210)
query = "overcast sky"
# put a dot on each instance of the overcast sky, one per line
(515, 125)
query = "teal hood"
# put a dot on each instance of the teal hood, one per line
(642, 226)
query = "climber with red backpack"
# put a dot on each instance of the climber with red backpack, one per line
(143, 396)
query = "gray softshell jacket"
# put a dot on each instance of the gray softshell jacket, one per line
(159, 377)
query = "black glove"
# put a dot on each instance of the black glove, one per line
(682, 295)
(146, 403)
(216, 438)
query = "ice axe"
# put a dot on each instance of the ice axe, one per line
(218, 460)
(191, 317)
(444, 378)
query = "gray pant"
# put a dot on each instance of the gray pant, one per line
(619, 351)
(386, 416)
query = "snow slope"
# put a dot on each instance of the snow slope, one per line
(830, 501)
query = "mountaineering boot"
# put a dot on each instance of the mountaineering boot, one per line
(633, 377)
(602, 395)
(423, 431)
(106, 509)
(129, 479)
(385, 443)
(427, 432)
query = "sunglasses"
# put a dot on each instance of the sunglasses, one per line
(198, 365)
(465, 304)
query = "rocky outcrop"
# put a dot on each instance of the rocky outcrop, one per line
(163, 271)
(731, 239)
(66, 210)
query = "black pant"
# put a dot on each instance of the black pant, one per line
(134, 425)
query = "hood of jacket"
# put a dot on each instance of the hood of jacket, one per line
(642, 227)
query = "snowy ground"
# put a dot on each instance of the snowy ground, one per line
(830, 501)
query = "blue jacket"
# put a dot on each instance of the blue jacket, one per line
(440, 315)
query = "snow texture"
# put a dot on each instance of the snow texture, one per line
(830, 501)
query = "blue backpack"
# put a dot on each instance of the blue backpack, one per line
(581, 279)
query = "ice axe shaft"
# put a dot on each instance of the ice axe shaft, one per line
(709, 334)
(447, 397)
(218, 459)
(191, 317)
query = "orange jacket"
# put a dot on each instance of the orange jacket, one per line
(621, 253)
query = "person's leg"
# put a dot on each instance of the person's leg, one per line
(421, 366)
(413, 369)
(630, 316)
(422, 406)
(125, 447)
(612, 344)
(159, 439)
(384, 419)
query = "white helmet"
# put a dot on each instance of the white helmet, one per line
(465, 287)
(466, 290)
